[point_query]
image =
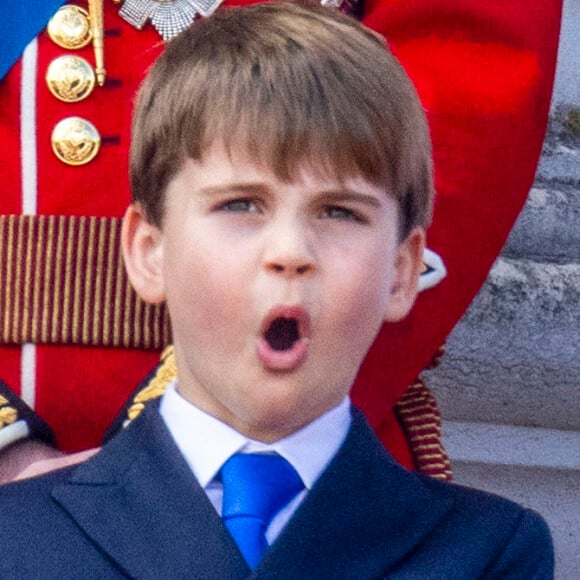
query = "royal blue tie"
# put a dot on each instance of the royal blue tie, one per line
(256, 488)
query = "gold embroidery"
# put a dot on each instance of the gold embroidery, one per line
(89, 300)
(8, 295)
(57, 278)
(18, 278)
(97, 330)
(63, 282)
(46, 319)
(165, 373)
(8, 415)
(38, 253)
(67, 287)
(117, 308)
(135, 410)
(107, 309)
(27, 276)
(420, 418)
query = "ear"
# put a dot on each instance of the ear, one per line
(142, 246)
(407, 269)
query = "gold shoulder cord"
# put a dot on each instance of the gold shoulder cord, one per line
(98, 29)
(8, 414)
(164, 374)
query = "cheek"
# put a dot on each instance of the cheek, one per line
(210, 294)
(363, 291)
(356, 319)
(361, 317)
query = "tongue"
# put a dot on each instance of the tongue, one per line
(282, 334)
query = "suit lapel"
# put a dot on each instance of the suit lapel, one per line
(138, 501)
(364, 515)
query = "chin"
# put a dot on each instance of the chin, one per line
(272, 422)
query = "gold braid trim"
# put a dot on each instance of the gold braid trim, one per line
(8, 414)
(62, 281)
(164, 374)
(420, 418)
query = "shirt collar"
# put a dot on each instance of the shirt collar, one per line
(207, 443)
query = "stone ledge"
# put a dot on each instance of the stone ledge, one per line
(509, 445)
(510, 376)
(507, 387)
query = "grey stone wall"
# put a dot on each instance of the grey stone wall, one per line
(509, 384)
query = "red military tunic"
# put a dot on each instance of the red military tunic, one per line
(484, 73)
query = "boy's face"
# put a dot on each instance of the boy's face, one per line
(275, 290)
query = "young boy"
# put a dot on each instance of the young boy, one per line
(283, 228)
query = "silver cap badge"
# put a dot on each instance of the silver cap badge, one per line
(169, 17)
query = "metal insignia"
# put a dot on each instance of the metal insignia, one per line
(75, 141)
(169, 17)
(70, 78)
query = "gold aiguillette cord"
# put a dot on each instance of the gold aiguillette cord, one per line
(98, 29)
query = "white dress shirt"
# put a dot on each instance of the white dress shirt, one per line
(207, 443)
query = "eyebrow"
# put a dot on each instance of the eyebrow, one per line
(234, 187)
(341, 195)
(349, 195)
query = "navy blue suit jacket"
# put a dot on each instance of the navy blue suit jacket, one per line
(135, 510)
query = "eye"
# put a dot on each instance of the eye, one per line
(239, 205)
(337, 212)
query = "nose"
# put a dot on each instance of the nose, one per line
(288, 251)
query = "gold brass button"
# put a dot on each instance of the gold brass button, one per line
(70, 27)
(70, 78)
(75, 141)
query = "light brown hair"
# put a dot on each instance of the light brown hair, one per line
(286, 84)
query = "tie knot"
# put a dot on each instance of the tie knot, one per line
(258, 485)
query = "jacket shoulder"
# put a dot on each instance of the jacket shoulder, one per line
(24, 502)
(509, 540)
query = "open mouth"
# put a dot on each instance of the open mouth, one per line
(285, 338)
(282, 333)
